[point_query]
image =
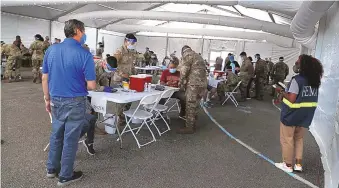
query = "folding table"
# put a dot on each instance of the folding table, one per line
(99, 100)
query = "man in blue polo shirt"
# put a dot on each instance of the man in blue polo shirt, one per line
(68, 72)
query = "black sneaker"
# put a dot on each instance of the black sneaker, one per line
(76, 176)
(89, 147)
(52, 173)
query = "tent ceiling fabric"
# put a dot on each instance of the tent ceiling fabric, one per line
(246, 23)
(281, 12)
(281, 41)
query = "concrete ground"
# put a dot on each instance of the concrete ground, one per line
(206, 159)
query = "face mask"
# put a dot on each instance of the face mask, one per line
(131, 47)
(172, 70)
(242, 58)
(152, 57)
(83, 39)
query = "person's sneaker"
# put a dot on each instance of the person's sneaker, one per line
(76, 176)
(34, 80)
(207, 105)
(248, 98)
(52, 173)
(298, 167)
(284, 167)
(89, 147)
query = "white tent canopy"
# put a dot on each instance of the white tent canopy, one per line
(266, 20)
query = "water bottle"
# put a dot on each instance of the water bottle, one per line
(149, 87)
(145, 87)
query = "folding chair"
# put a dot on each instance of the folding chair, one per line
(229, 95)
(159, 108)
(153, 100)
(176, 103)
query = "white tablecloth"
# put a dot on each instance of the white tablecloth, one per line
(148, 68)
(123, 97)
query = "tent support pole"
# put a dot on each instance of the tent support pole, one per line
(166, 52)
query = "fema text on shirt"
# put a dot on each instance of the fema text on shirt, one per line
(308, 91)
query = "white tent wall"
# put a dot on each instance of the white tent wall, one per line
(112, 41)
(156, 44)
(325, 125)
(266, 50)
(58, 32)
(176, 44)
(13, 25)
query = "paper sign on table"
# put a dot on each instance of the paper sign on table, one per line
(99, 104)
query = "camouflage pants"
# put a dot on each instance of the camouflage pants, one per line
(36, 68)
(193, 97)
(222, 88)
(259, 86)
(10, 65)
(276, 80)
(243, 87)
(12, 68)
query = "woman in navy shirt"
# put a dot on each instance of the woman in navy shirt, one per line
(298, 107)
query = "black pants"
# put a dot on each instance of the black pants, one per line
(89, 127)
(182, 100)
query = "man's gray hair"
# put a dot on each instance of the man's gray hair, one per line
(71, 26)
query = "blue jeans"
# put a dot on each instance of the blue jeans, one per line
(68, 116)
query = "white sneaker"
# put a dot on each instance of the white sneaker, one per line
(283, 167)
(298, 168)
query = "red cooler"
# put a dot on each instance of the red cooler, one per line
(220, 73)
(137, 82)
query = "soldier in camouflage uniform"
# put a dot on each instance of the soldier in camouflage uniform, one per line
(193, 80)
(103, 73)
(14, 55)
(261, 73)
(37, 49)
(126, 57)
(279, 72)
(47, 42)
(147, 56)
(270, 65)
(25, 53)
(246, 73)
(228, 85)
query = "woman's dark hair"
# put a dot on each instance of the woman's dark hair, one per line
(312, 69)
(249, 57)
(71, 27)
(39, 37)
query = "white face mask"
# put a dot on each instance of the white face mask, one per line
(131, 47)
(242, 58)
